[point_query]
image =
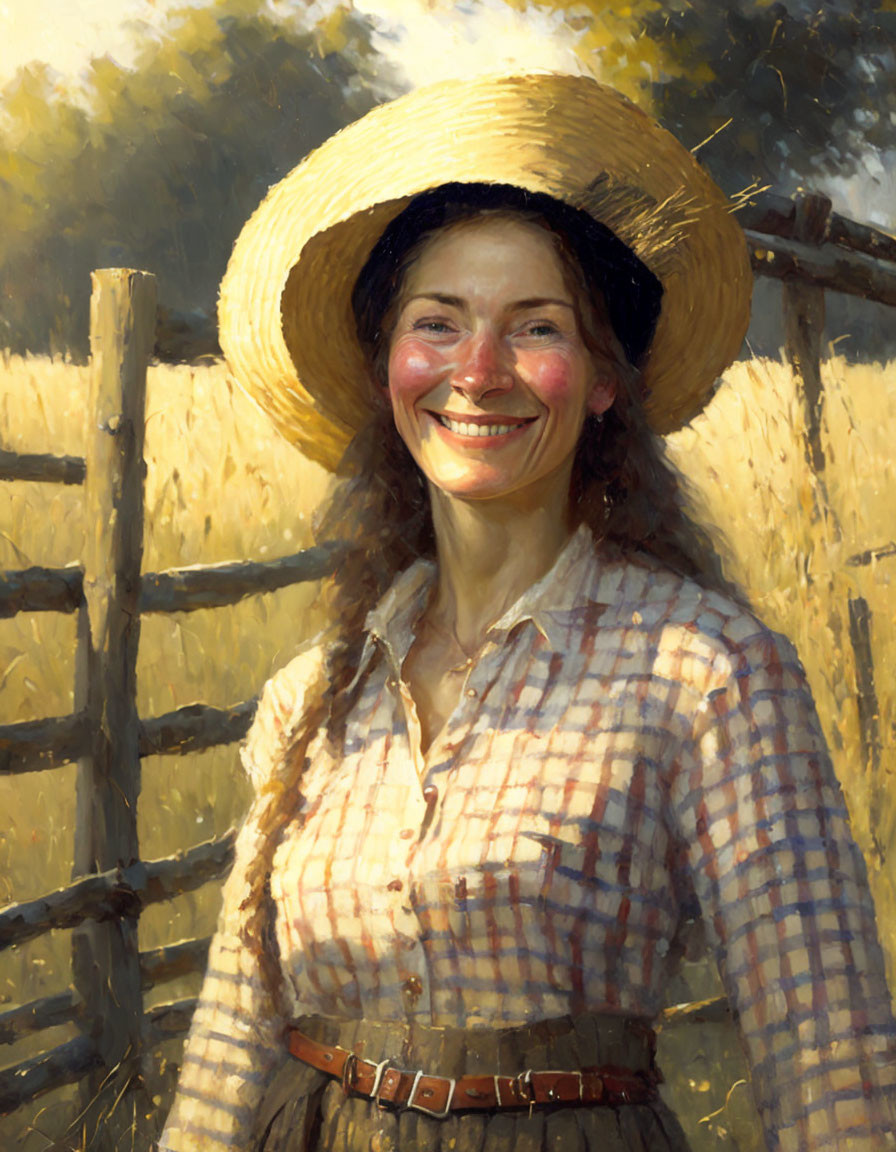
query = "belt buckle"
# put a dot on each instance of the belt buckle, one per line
(378, 1073)
(347, 1079)
(523, 1086)
(452, 1083)
(378, 1076)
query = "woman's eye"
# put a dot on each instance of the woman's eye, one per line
(436, 327)
(540, 328)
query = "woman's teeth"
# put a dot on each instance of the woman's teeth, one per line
(462, 428)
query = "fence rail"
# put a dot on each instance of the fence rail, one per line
(177, 590)
(122, 891)
(65, 1064)
(41, 466)
(35, 745)
(47, 1012)
(829, 268)
(156, 967)
(799, 241)
(770, 215)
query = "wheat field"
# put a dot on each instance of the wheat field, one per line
(221, 486)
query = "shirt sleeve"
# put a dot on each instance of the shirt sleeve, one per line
(784, 889)
(235, 1043)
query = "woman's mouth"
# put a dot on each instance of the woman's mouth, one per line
(501, 426)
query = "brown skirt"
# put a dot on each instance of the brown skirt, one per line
(306, 1111)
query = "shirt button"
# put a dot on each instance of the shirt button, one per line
(395, 886)
(406, 833)
(413, 988)
(430, 794)
(471, 692)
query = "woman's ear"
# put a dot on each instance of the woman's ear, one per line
(602, 394)
(379, 391)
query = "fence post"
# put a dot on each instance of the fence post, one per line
(804, 317)
(869, 712)
(105, 956)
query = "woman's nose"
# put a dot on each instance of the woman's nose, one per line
(484, 369)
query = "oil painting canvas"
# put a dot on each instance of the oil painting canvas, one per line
(179, 524)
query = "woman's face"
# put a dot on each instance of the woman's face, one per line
(489, 377)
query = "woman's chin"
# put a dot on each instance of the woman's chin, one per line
(479, 485)
(481, 482)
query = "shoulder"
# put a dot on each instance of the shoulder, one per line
(281, 706)
(701, 637)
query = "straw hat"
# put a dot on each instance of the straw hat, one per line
(286, 323)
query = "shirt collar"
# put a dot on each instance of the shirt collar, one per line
(566, 585)
(393, 619)
(578, 576)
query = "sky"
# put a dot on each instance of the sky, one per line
(66, 33)
(473, 36)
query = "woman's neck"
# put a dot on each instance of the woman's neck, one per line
(488, 555)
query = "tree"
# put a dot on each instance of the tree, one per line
(787, 92)
(158, 167)
(794, 91)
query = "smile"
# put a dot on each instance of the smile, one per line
(468, 428)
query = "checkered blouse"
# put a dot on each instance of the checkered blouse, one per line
(626, 745)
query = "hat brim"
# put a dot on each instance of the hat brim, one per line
(286, 323)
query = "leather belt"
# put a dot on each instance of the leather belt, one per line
(439, 1096)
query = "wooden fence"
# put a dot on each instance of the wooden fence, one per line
(799, 241)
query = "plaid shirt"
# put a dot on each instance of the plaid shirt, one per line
(626, 745)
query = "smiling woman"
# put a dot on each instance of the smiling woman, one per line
(541, 732)
(489, 387)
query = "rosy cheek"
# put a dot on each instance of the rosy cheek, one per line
(552, 377)
(414, 368)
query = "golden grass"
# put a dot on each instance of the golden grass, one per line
(789, 547)
(745, 460)
(221, 485)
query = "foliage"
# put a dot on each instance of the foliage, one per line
(158, 167)
(793, 90)
(806, 87)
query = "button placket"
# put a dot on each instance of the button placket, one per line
(404, 822)
(477, 680)
(401, 853)
(414, 986)
(412, 725)
(415, 989)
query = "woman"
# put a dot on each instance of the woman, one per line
(542, 729)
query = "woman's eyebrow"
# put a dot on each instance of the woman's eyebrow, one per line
(539, 302)
(439, 297)
(514, 306)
